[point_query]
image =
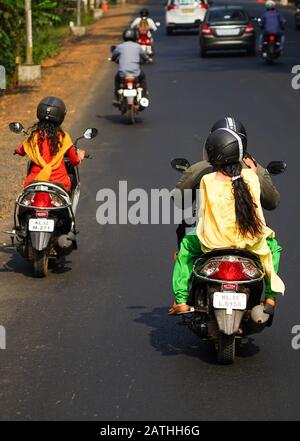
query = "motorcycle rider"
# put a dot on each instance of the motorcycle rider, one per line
(190, 179)
(129, 55)
(146, 20)
(230, 216)
(272, 22)
(48, 144)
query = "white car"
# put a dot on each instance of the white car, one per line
(185, 14)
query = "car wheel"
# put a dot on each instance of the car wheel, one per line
(169, 31)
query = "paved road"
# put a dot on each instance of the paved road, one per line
(95, 342)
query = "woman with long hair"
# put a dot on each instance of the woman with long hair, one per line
(48, 144)
(230, 216)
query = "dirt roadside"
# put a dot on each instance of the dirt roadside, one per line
(69, 76)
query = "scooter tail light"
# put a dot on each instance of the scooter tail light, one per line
(272, 38)
(42, 199)
(232, 269)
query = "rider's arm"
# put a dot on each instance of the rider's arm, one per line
(152, 25)
(73, 157)
(269, 195)
(20, 151)
(135, 23)
(116, 53)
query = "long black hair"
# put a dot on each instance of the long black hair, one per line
(247, 218)
(50, 131)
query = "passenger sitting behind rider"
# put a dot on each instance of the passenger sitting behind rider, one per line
(230, 216)
(48, 144)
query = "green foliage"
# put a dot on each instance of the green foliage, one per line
(12, 30)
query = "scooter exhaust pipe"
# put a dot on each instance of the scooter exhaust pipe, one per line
(65, 243)
(258, 315)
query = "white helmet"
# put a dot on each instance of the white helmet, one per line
(270, 4)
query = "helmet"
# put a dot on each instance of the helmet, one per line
(144, 12)
(233, 124)
(129, 35)
(270, 4)
(224, 147)
(51, 109)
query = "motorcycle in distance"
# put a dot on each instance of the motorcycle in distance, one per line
(146, 41)
(271, 48)
(44, 217)
(131, 99)
(225, 293)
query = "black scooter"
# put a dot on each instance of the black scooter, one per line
(225, 293)
(44, 217)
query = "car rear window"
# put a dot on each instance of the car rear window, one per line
(186, 2)
(226, 15)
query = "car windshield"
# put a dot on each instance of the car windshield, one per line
(226, 15)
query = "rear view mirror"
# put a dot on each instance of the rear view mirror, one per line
(157, 24)
(90, 133)
(180, 164)
(276, 167)
(16, 127)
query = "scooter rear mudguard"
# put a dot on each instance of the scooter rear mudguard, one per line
(40, 240)
(229, 323)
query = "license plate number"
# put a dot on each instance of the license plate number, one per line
(230, 301)
(227, 32)
(188, 11)
(130, 92)
(41, 225)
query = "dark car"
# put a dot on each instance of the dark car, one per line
(227, 28)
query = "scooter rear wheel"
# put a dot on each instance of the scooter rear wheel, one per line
(131, 115)
(40, 263)
(226, 348)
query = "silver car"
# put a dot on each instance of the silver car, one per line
(185, 14)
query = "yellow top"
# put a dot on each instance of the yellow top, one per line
(217, 226)
(32, 150)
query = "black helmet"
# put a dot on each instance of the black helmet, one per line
(224, 147)
(129, 35)
(51, 109)
(233, 124)
(144, 12)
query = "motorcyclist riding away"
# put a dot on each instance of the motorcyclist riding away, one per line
(272, 23)
(230, 216)
(141, 22)
(190, 179)
(48, 144)
(129, 55)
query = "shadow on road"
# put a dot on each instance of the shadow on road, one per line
(118, 119)
(16, 264)
(170, 338)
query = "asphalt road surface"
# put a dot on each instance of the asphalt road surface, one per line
(95, 342)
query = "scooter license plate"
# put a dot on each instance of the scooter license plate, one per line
(130, 92)
(230, 300)
(41, 225)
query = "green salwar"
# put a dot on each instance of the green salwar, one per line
(190, 250)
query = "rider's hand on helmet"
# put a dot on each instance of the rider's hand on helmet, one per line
(80, 154)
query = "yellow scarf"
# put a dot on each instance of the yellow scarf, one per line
(32, 150)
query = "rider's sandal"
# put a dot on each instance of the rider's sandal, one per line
(270, 305)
